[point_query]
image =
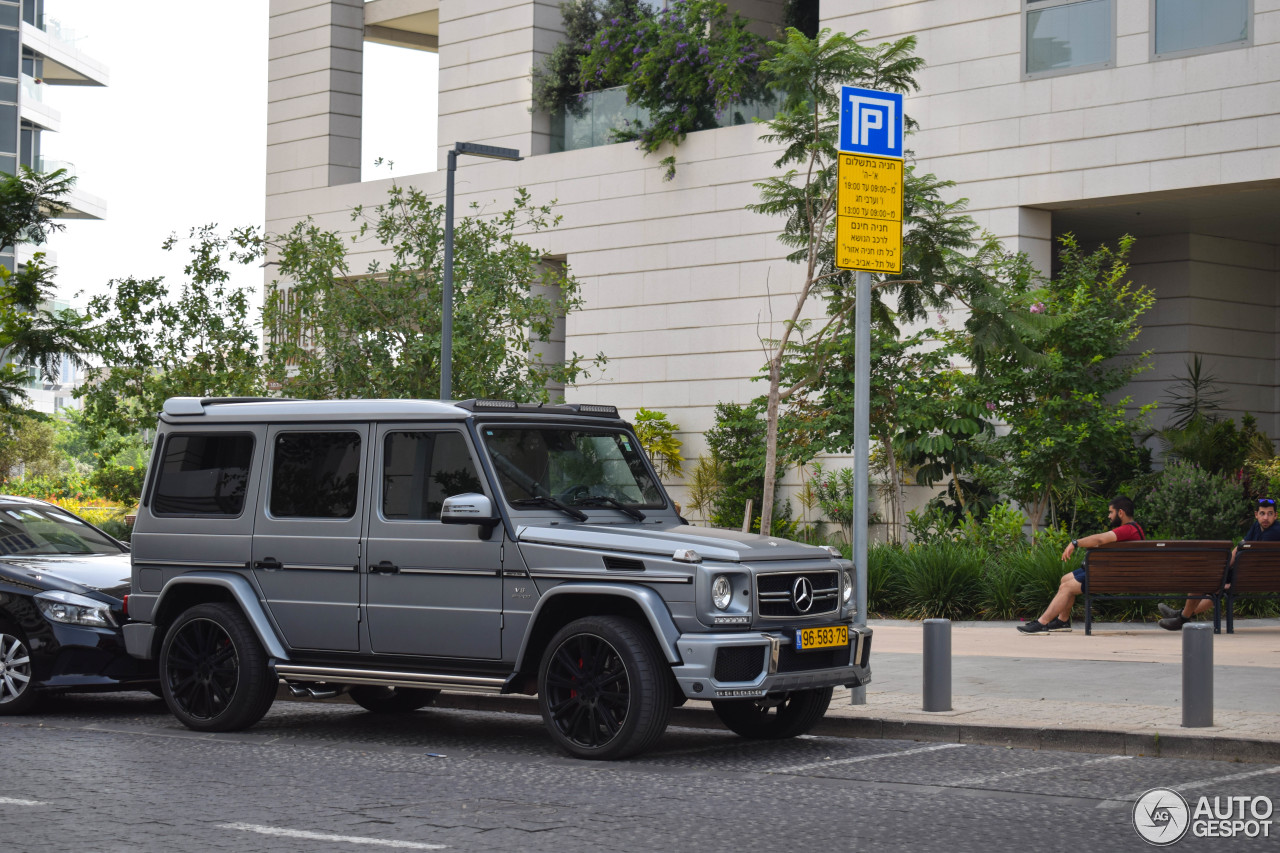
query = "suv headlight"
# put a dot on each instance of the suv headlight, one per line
(721, 592)
(72, 609)
(847, 592)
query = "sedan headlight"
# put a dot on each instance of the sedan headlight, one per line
(847, 592)
(721, 592)
(72, 609)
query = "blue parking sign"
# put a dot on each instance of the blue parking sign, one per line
(870, 122)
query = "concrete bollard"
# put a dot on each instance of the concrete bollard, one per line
(1197, 675)
(937, 664)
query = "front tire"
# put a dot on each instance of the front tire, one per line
(17, 696)
(775, 717)
(392, 700)
(604, 689)
(213, 670)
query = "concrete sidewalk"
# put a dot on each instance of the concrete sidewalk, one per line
(1118, 691)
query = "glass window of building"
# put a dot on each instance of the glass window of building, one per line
(1061, 36)
(1194, 26)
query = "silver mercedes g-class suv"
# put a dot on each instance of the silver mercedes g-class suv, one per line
(392, 549)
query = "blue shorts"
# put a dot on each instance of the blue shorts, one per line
(1078, 574)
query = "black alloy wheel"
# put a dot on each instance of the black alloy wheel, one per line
(604, 688)
(776, 716)
(16, 693)
(213, 670)
(392, 700)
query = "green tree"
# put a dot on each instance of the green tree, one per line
(198, 341)
(27, 445)
(945, 260)
(1068, 431)
(335, 332)
(657, 436)
(30, 332)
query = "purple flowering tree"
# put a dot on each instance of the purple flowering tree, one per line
(687, 66)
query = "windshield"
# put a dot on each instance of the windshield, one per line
(27, 531)
(577, 466)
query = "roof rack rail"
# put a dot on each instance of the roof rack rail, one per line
(195, 405)
(589, 409)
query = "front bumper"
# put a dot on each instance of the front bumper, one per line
(751, 665)
(77, 657)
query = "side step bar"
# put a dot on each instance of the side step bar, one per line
(389, 678)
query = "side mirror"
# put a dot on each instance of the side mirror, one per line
(471, 508)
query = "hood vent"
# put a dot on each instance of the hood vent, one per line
(623, 564)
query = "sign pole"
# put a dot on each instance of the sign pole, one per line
(861, 450)
(869, 212)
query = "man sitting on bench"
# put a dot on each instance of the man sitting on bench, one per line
(1057, 617)
(1264, 529)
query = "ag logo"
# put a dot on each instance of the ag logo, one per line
(1161, 816)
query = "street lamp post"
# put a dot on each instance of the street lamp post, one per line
(446, 325)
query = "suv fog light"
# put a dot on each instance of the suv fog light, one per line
(721, 592)
(847, 592)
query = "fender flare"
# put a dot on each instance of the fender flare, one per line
(650, 603)
(243, 595)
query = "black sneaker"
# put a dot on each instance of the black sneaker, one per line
(1166, 611)
(1034, 627)
(1174, 623)
(1058, 625)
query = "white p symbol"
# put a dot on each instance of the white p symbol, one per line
(869, 119)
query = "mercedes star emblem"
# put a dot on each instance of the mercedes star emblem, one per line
(802, 594)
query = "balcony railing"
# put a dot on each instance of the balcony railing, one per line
(46, 165)
(31, 90)
(608, 110)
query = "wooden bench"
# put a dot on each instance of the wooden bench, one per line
(1256, 573)
(1156, 569)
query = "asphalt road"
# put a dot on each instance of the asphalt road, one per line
(99, 774)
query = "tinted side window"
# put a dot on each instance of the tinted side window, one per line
(315, 475)
(203, 475)
(421, 469)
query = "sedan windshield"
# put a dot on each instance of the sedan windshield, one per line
(28, 531)
(575, 466)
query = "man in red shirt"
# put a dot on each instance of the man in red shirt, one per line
(1057, 617)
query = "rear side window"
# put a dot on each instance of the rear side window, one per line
(421, 469)
(203, 474)
(315, 475)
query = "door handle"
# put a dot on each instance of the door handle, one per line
(385, 567)
(269, 563)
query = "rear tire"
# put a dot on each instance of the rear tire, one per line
(604, 688)
(17, 694)
(213, 670)
(392, 700)
(777, 716)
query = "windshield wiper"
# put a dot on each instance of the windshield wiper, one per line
(551, 502)
(605, 500)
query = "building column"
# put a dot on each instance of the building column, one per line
(488, 49)
(314, 69)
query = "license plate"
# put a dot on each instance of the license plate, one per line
(822, 638)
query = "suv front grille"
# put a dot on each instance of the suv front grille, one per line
(739, 663)
(777, 594)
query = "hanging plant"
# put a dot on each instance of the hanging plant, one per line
(686, 65)
(557, 82)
